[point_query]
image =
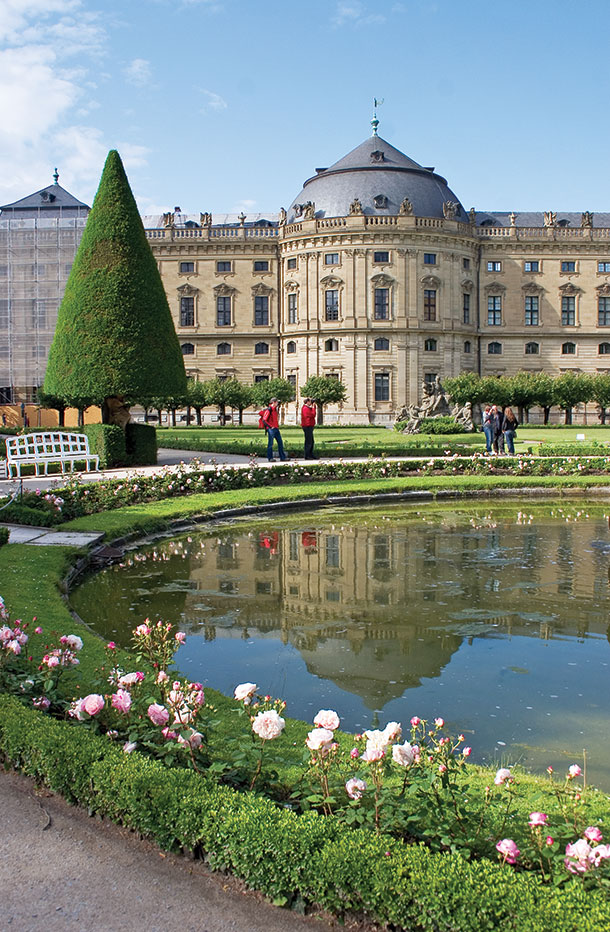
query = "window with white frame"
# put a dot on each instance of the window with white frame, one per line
(603, 311)
(331, 346)
(494, 310)
(430, 345)
(494, 266)
(532, 316)
(331, 304)
(292, 307)
(382, 386)
(382, 303)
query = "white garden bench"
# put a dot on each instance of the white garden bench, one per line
(42, 448)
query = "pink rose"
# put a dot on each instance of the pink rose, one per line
(72, 641)
(158, 714)
(466, 752)
(320, 739)
(502, 775)
(142, 630)
(598, 854)
(415, 721)
(130, 679)
(549, 840)
(180, 636)
(355, 788)
(577, 857)
(439, 722)
(92, 704)
(592, 833)
(38, 630)
(404, 754)
(162, 677)
(110, 645)
(537, 818)
(193, 739)
(574, 771)
(121, 701)
(268, 725)
(244, 692)
(354, 753)
(41, 703)
(392, 732)
(129, 746)
(508, 850)
(374, 751)
(168, 734)
(328, 719)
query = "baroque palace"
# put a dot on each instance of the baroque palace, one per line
(376, 275)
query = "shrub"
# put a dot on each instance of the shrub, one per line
(571, 448)
(19, 513)
(141, 444)
(108, 441)
(4, 534)
(441, 425)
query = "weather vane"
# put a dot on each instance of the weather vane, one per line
(377, 102)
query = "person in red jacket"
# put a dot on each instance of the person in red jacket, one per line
(272, 426)
(308, 422)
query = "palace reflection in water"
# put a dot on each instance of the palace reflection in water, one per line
(364, 608)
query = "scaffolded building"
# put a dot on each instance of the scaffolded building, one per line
(39, 236)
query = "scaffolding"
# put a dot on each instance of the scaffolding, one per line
(36, 255)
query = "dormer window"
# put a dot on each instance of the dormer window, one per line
(380, 201)
(377, 156)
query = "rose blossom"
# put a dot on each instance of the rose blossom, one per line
(72, 641)
(92, 704)
(129, 746)
(162, 677)
(598, 854)
(130, 679)
(268, 725)
(405, 754)
(326, 718)
(244, 692)
(168, 734)
(76, 710)
(355, 788)
(577, 857)
(158, 714)
(549, 840)
(375, 750)
(439, 722)
(320, 739)
(415, 721)
(592, 833)
(537, 818)
(193, 738)
(121, 701)
(180, 636)
(574, 771)
(392, 732)
(38, 630)
(502, 775)
(354, 753)
(41, 702)
(466, 752)
(142, 630)
(508, 850)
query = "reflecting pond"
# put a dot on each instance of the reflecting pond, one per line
(495, 617)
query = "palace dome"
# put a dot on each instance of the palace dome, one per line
(380, 177)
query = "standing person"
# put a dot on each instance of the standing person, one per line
(497, 437)
(509, 429)
(487, 427)
(308, 422)
(271, 422)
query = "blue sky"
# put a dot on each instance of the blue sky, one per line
(228, 105)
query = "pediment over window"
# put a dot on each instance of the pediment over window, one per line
(569, 289)
(187, 291)
(430, 281)
(223, 291)
(260, 289)
(291, 286)
(331, 281)
(467, 284)
(495, 288)
(532, 288)
(382, 281)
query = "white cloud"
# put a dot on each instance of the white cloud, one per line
(15, 14)
(354, 13)
(139, 72)
(214, 101)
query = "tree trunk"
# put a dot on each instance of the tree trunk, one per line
(521, 410)
(173, 417)
(188, 415)
(61, 419)
(241, 416)
(568, 419)
(198, 413)
(81, 417)
(320, 418)
(547, 412)
(602, 414)
(159, 413)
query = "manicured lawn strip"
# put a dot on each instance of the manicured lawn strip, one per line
(147, 518)
(294, 860)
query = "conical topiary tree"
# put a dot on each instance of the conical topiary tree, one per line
(115, 341)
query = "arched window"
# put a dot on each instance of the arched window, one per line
(603, 349)
(188, 349)
(331, 346)
(494, 349)
(467, 346)
(568, 349)
(532, 349)
(223, 349)
(260, 349)
(291, 347)
(381, 343)
(431, 345)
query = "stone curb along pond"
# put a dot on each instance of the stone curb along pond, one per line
(496, 621)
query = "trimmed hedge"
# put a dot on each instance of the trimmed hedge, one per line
(4, 535)
(108, 441)
(295, 860)
(141, 444)
(571, 448)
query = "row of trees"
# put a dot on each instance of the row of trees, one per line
(527, 390)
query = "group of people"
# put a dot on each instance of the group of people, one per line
(270, 421)
(500, 429)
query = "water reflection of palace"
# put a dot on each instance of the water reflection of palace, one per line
(380, 606)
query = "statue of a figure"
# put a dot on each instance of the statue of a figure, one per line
(449, 210)
(355, 208)
(586, 220)
(550, 218)
(472, 215)
(282, 217)
(513, 218)
(168, 220)
(205, 219)
(406, 208)
(309, 211)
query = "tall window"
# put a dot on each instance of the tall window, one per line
(494, 310)
(467, 346)
(261, 349)
(187, 312)
(292, 308)
(466, 265)
(381, 343)
(603, 312)
(293, 380)
(430, 346)
(466, 307)
(568, 349)
(331, 304)
(332, 550)
(223, 311)
(532, 318)
(291, 347)
(261, 310)
(223, 349)
(532, 349)
(382, 386)
(568, 310)
(494, 349)
(429, 304)
(382, 303)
